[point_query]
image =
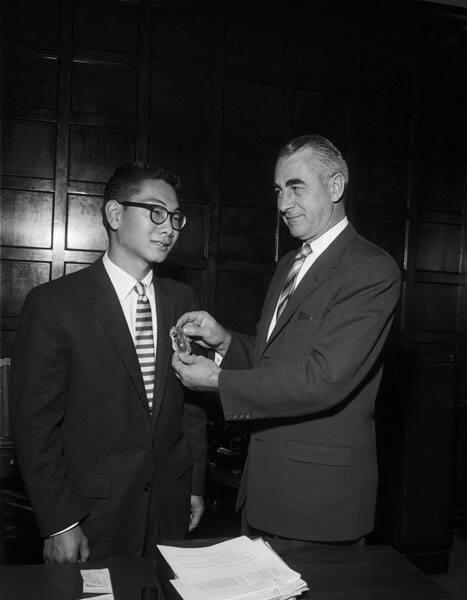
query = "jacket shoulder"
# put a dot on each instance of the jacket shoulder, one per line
(72, 284)
(363, 249)
(172, 286)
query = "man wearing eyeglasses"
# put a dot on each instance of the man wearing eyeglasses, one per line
(111, 450)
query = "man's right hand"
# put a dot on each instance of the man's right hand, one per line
(205, 331)
(67, 547)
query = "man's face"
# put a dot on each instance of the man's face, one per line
(306, 198)
(137, 240)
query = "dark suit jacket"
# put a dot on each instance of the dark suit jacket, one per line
(87, 446)
(309, 394)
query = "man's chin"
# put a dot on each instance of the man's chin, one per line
(160, 256)
(297, 231)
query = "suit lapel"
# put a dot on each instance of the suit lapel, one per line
(165, 319)
(320, 270)
(107, 308)
(272, 298)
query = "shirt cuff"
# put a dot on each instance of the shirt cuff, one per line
(63, 530)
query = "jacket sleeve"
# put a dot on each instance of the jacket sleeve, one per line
(330, 363)
(39, 378)
(240, 353)
(195, 421)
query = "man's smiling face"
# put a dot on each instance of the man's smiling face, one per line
(137, 239)
(306, 197)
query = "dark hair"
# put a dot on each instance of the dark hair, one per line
(128, 178)
(329, 155)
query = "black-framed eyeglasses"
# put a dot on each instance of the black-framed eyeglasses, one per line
(159, 214)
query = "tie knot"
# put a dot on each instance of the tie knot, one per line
(140, 290)
(304, 251)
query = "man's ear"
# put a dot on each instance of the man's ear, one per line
(337, 185)
(113, 211)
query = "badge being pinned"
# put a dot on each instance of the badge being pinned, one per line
(180, 342)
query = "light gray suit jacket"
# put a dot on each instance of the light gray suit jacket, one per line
(309, 394)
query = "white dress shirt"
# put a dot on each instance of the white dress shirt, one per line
(124, 285)
(318, 246)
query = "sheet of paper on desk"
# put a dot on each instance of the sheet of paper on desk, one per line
(237, 568)
(221, 589)
(96, 581)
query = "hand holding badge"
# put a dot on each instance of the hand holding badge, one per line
(180, 342)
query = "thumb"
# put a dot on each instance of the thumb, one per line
(84, 550)
(186, 359)
(192, 329)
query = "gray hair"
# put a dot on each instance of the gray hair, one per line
(329, 155)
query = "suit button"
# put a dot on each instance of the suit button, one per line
(147, 487)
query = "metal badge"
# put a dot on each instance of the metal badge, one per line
(180, 342)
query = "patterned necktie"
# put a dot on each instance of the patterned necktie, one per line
(144, 341)
(289, 285)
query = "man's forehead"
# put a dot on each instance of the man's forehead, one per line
(300, 160)
(303, 161)
(157, 191)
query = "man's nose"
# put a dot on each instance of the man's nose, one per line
(166, 228)
(284, 200)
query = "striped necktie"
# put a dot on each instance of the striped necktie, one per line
(289, 285)
(144, 341)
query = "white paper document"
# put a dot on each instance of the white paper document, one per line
(96, 581)
(238, 568)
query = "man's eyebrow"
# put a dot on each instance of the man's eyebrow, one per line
(158, 202)
(153, 200)
(295, 181)
(289, 183)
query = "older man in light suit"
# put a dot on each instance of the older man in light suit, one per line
(307, 382)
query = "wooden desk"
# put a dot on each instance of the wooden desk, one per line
(365, 573)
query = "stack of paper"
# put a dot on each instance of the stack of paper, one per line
(237, 569)
(97, 581)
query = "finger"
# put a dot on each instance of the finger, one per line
(84, 551)
(47, 558)
(194, 521)
(197, 513)
(192, 329)
(190, 317)
(186, 359)
(177, 364)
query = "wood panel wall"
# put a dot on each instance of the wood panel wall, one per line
(211, 89)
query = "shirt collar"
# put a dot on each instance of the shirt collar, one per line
(319, 245)
(122, 281)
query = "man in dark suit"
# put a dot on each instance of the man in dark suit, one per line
(307, 382)
(111, 453)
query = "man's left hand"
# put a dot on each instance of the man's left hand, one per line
(196, 372)
(196, 511)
